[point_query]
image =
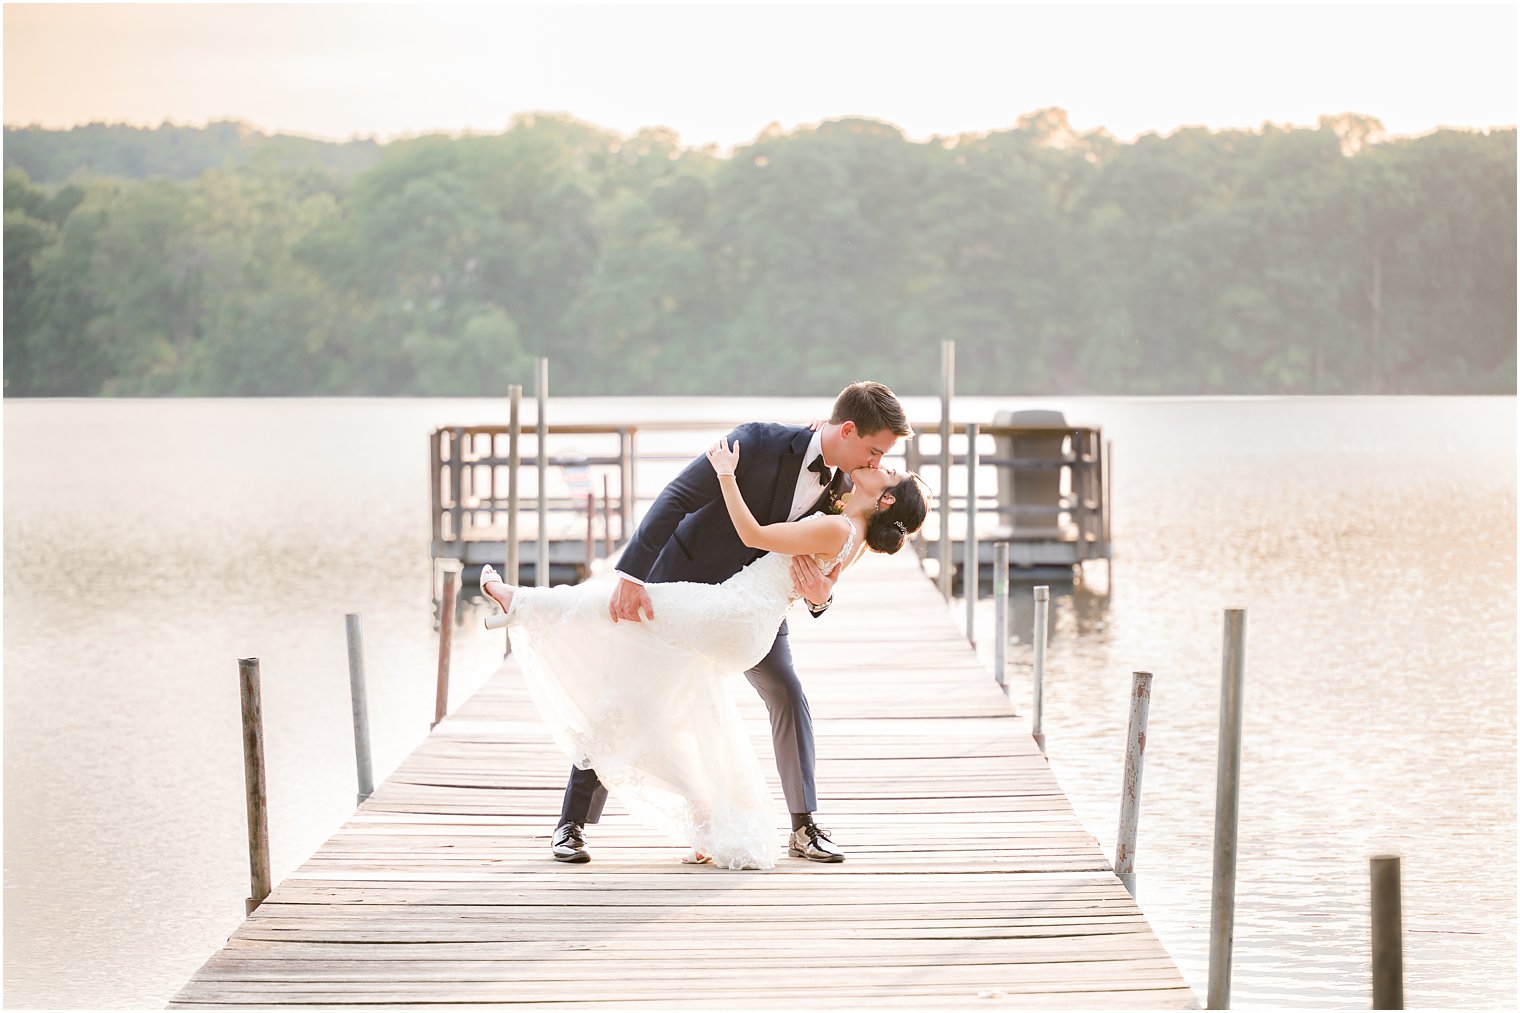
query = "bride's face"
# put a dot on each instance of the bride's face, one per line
(872, 482)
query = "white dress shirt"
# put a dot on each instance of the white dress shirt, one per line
(809, 485)
(809, 488)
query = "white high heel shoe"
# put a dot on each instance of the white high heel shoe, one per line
(488, 575)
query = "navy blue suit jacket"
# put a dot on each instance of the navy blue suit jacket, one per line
(687, 533)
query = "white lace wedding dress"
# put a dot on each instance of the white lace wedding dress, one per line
(649, 705)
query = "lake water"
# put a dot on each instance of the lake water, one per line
(149, 544)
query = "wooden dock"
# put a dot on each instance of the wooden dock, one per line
(969, 881)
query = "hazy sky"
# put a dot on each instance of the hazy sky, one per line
(718, 73)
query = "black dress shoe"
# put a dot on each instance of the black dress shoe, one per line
(813, 844)
(569, 843)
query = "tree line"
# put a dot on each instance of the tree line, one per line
(1325, 260)
(175, 152)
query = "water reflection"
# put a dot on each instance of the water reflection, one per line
(1079, 602)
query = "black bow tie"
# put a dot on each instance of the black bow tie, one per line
(823, 471)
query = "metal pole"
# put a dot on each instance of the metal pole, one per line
(1134, 768)
(1041, 622)
(971, 569)
(607, 516)
(1000, 614)
(514, 461)
(633, 480)
(254, 783)
(356, 695)
(1387, 933)
(1227, 809)
(590, 531)
(456, 484)
(947, 392)
(541, 569)
(1107, 493)
(445, 645)
(626, 492)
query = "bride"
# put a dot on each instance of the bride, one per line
(649, 705)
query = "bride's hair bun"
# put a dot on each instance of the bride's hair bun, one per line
(890, 527)
(885, 536)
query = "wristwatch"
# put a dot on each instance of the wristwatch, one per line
(817, 610)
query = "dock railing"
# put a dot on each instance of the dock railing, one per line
(1066, 523)
(471, 469)
(1050, 501)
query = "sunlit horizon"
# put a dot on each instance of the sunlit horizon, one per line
(720, 75)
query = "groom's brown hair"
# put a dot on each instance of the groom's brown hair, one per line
(872, 407)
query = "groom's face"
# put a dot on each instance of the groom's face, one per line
(863, 450)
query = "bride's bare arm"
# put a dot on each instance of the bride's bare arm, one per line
(821, 534)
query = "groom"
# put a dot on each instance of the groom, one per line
(789, 472)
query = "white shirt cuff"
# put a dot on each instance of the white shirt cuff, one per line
(633, 580)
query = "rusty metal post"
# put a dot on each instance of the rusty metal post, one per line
(541, 568)
(1134, 769)
(1227, 810)
(971, 569)
(947, 392)
(357, 697)
(514, 462)
(1387, 932)
(254, 782)
(1000, 614)
(1037, 704)
(445, 648)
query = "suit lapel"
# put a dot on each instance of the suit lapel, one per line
(788, 468)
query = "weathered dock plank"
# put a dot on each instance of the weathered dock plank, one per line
(968, 882)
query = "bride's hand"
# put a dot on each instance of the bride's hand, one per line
(810, 581)
(725, 459)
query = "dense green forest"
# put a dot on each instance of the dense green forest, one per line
(1276, 261)
(99, 149)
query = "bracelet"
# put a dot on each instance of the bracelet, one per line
(818, 609)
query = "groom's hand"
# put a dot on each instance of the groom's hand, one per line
(628, 600)
(810, 581)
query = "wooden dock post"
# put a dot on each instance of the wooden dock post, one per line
(541, 567)
(1227, 810)
(1387, 932)
(971, 569)
(1037, 704)
(357, 697)
(445, 649)
(1000, 614)
(947, 392)
(514, 461)
(1134, 769)
(254, 783)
